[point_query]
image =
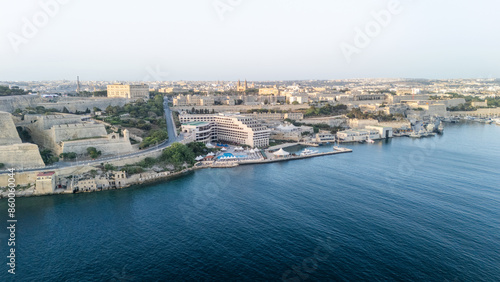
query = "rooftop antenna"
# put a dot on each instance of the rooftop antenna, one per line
(78, 85)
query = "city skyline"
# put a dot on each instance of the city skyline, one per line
(259, 41)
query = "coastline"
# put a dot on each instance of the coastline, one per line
(162, 176)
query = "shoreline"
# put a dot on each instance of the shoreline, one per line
(162, 176)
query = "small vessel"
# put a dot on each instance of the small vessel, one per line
(440, 128)
(370, 141)
(308, 152)
(415, 134)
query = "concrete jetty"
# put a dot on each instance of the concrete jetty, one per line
(290, 158)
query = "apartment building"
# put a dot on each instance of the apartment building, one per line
(193, 100)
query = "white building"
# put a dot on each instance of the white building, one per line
(355, 135)
(199, 131)
(384, 131)
(229, 127)
(325, 137)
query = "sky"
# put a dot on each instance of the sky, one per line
(248, 39)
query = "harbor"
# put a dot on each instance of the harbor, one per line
(232, 157)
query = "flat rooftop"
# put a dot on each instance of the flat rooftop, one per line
(197, 123)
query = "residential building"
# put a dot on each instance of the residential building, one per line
(269, 91)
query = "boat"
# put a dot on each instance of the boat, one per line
(415, 135)
(308, 152)
(440, 128)
(370, 141)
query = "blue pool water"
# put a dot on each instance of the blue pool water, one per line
(231, 155)
(225, 155)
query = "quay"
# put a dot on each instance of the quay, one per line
(290, 158)
(287, 145)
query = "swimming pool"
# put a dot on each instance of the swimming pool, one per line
(229, 155)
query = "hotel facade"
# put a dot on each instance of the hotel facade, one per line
(226, 127)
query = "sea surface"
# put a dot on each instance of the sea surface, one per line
(397, 210)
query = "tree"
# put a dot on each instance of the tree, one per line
(2, 165)
(198, 148)
(295, 103)
(156, 137)
(109, 167)
(178, 154)
(266, 101)
(47, 157)
(94, 154)
(68, 156)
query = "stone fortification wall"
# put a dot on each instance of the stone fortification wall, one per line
(13, 153)
(74, 104)
(107, 146)
(11, 103)
(20, 156)
(76, 131)
(48, 131)
(47, 121)
(8, 132)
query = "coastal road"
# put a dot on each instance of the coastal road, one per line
(172, 138)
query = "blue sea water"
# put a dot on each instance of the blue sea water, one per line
(404, 209)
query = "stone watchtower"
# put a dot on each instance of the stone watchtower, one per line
(126, 134)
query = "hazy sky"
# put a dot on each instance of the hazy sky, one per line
(252, 39)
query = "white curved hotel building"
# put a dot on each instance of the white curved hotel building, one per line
(226, 127)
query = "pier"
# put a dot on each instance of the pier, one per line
(291, 157)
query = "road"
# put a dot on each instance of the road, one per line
(172, 138)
